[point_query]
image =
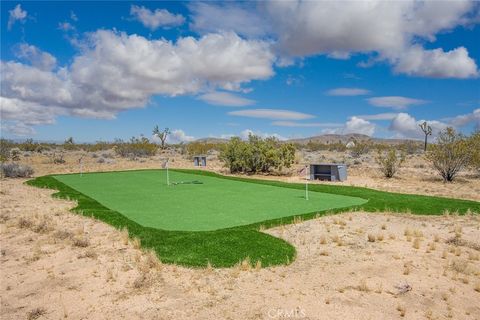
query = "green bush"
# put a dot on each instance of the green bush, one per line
(450, 154)
(135, 148)
(257, 155)
(5, 147)
(197, 147)
(474, 146)
(359, 149)
(390, 161)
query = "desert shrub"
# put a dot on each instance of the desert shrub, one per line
(58, 157)
(450, 154)
(97, 146)
(15, 154)
(359, 149)
(135, 148)
(390, 161)
(474, 146)
(257, 155)
(197, 147)
(31, 146)
(101, 160)
(5, 147)
(15, 170)
(410, 147)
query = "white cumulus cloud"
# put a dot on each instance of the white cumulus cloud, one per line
(16, 14)
(178, 136)
(436, 63)
(36, 57)
(116, 71)
(357, 125)
(156, 19)
(406, 126)
(389, 31)
(465, 119)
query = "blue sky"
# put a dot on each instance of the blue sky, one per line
(105, 70)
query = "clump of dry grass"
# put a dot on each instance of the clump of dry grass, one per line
(408, 232)
(458, 231)
(362, 286)
(418, 233)
(80, 242)
(460, 266)
(431, 247)
(36, 313)
(42, 227)
(444, 254)
(141, 281)
(137, 244)
(371, 237)
(36, 255)
(458, 251)
(402, 310)
(62, 234)
(338, 240)
(475, 256)
(297, 220)
(245, 264)
(323, 239)
(436, 238)
(89, 253)
(384, 226)
(324, 253)
(151, 261)
(416, 243)
(24, 223)
(124, 235)
(407, 268)
(477, 287)
(380, 237)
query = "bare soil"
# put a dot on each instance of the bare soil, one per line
(55, 264)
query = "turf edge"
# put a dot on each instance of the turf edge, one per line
(227, 247)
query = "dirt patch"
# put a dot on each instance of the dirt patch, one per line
(349, 266)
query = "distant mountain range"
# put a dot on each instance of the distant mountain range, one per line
(325, 139)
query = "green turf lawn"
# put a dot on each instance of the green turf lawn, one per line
(226, 247)
(144, 197)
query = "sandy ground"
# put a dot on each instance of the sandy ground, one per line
(415, 176)
(55, 264)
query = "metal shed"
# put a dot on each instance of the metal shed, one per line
(328, 171)
(200, 161)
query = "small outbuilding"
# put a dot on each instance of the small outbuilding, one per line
(200, 161)
(328, 171)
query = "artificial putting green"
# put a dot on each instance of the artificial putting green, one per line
(215, 203)
(226, 247)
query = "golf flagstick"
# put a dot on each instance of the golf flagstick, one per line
(168, 177)
(306, 183)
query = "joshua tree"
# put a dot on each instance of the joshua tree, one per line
(427, 130)
(162, 135)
